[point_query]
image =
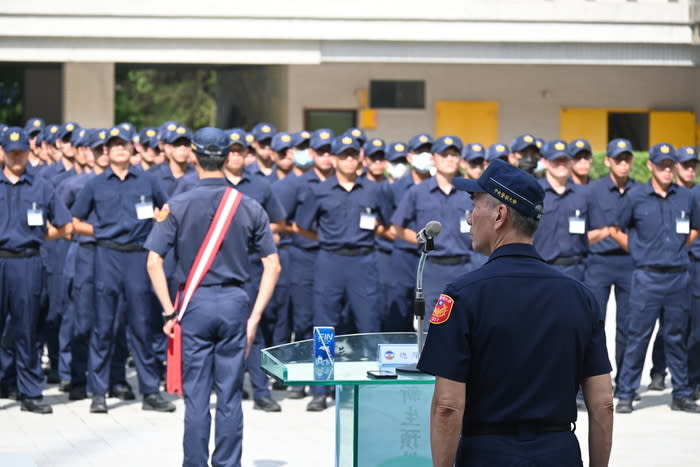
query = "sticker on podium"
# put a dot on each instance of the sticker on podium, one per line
(398, 354)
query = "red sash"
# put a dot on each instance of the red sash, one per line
(205, 257)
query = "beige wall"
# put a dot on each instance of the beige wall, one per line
(520, 91)
(88, 94)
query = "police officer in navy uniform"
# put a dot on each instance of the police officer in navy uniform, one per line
(561, 238)
(176, 145)
(515, 339)
(123, 199)
(608, 263)
(218, 327)
(582, 160)
(345, 212)
(525, 152)
(265, 158)
(31, 214)
(661, 220)
(497, 151)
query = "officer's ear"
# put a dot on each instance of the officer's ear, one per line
(500, 215)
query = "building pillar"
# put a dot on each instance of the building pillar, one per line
(88, 94)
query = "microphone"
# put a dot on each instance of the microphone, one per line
(431, 230)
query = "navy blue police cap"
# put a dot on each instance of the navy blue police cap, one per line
(281, 142)
(473, 151)
(555, 149)
(374, 146)
(578, 145)
(508, 184)
(34, 126)
(211, 141)
(356, 133)
(421, 139)
(118, 132)
(263, 131)
(520, 143)
(99, 138)
(686, 153)
(67, 129)
(300, 137)
(661, 151)
(496, 151)
(341, 143)
(51, 133)
(149, 137)
(618, 146)
(80, 138)
(395, 151)
(180, 132)
(237, 136)
(443, 143)
(321, 137)
(13, 138)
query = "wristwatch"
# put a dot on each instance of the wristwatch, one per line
(172, 315)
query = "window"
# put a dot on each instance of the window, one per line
(397, 94)
(631, 126)
(337, 120)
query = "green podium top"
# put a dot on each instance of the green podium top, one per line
(355, 354)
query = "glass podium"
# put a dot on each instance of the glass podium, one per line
(378, 422)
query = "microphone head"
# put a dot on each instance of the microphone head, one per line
(433, 229)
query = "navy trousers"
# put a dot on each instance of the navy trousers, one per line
(398, 314)
(122, 275)
(20, 295)
(694, 327)
(303, 264)
(538, 450)
(652, 294)
(602, 272)
(213, 345)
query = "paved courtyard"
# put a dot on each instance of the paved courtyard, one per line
(652, 435)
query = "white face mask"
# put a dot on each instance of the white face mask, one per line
(422, 162)
(540, 165)
(302, 158)
(398, 170)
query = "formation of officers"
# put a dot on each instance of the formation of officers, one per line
(344, 210)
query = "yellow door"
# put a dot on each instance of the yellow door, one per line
(471, 121)
(591, 124)
(677, 128)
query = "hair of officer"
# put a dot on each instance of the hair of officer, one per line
(210, 162)
(521, 223)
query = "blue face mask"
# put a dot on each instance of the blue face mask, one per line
(302, 158)
(422, 162)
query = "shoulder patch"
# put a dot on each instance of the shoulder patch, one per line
(163, 214)
(442, 310)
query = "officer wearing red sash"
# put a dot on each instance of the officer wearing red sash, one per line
(218, 326)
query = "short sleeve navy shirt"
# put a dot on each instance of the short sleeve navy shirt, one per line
(426, 202)
(522, 336)
(337, 213)
(604, 200)
(187, 224)
(166, 178)
(552, 238)
(114, 204)
(30, 192)
(651, 223)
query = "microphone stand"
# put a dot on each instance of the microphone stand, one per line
(419, 303)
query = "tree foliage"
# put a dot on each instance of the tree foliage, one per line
(149, 97)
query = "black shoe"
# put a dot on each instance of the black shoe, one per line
(624, 406)
(296, 392)
(696, 394)
(277, 386)
(317, 404)
(580, 405)
(122, 391)
(52, 376)
(687, 404)
(657, 383)
(98, 405)
(77, 393)
(636, 397)
(245, 395)
(64, 385)
(35, 406)
(267, 404)
(8, 393)
(156, 402)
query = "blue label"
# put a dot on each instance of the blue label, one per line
(324, 346)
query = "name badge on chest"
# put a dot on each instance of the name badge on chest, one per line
(577, 224)
(683, 224)
(464, 226)
(368, 221)
(35, 217)
(144, 209)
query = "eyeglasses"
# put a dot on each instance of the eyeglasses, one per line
(690, 165)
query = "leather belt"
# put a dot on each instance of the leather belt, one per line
(231, 283)
(516, 428)
(664, 269)
(449, 260)
(28, 253)
(120, 246)
(619, 252)
(566, 260)
(365, 250)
